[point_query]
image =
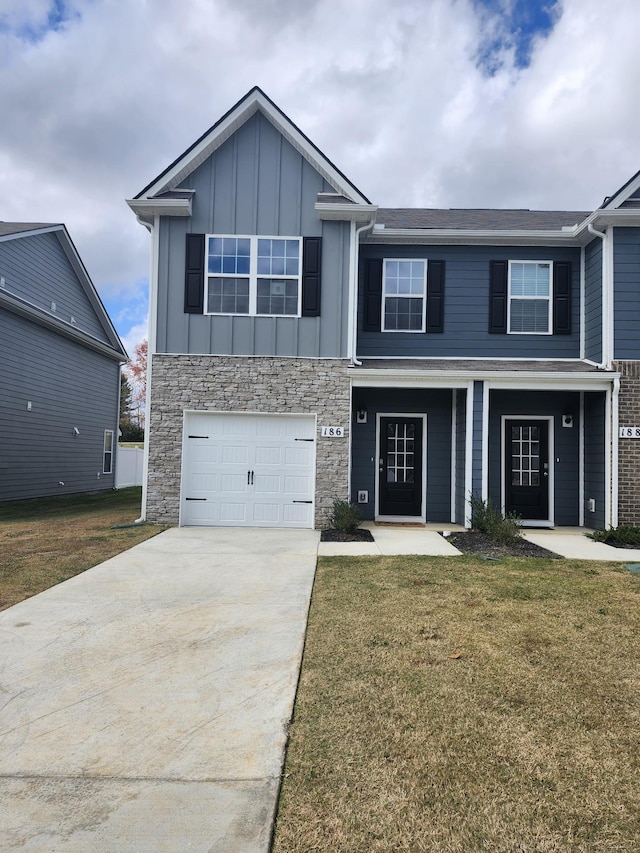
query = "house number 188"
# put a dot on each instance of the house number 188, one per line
(630, 432)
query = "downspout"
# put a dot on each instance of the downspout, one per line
(353, 288)
(605, 295)
(151, 348)
(614, 451)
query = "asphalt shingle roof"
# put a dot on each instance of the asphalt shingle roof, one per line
(19, 227)
(479, 218)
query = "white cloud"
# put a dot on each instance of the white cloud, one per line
(391, 92)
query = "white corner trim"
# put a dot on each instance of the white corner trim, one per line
(468, 468)
(581, 462)
(454, 435)
(485, 441)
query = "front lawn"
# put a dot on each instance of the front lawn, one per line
(47, 540)
(457, 705)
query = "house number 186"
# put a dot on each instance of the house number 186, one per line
(333, 432)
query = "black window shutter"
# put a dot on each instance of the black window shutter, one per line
(435, 296)
(372, 295)
(194, 275)
(562, 298)
(311, 272)
(498, 298)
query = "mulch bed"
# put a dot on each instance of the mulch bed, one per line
(360, 535)
(469, 542)
(473, 542)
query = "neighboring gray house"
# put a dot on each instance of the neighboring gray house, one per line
(60, 378)
(305, 345)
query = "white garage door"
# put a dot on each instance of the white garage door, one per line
(248, 470)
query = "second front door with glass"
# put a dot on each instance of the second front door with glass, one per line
(400, 467)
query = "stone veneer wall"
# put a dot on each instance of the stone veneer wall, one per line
(629, 448)
(237, 384)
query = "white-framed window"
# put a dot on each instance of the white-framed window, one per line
(404, 295)
(253, 275)
(530, 298)
(107, 463)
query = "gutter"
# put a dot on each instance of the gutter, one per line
(606, 300)
(354, 240)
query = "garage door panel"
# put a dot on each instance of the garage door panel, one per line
(247, 470)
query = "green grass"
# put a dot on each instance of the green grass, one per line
(48, 540)
(451, 704)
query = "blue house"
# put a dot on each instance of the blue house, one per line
(60, 378)
(307, 345)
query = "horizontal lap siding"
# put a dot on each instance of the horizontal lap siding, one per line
(593, 300)
(626, 271)
(68, 386)
(466, 307)
(256, 183)
(37, 270)
(565, 444)
(436, 404)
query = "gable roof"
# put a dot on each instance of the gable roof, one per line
(627, 191)
(225, 127)
(20, 230)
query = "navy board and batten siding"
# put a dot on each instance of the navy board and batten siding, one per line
(566, 444)
(464, 314)
(436, 404)
(461, 455)
(626, 300)
(256, 183)
(68, 386)
(36, 269)
(593, 300)
(594, 453)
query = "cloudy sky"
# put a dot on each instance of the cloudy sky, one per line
(431, 103)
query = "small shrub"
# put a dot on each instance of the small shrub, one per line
(345, 516)
(486, 518)
(624, 536)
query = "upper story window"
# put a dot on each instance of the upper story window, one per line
(253, 275)
(404, 295)
(530, 297)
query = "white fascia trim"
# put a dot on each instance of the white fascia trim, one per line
(457, 236)
(502, 379)
(464, 359)
(342, 212)
(623, 194)
(603, 217)
(226, 128)
(147, 208)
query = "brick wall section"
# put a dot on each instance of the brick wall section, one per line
(629, 448)
(234, 384)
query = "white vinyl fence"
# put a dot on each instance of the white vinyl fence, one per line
(129, 461)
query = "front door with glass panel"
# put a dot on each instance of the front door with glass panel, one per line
(527, 469)
(400, 467)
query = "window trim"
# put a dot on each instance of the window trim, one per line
(109, 453)
(253, 275)
(549, 298)
(385, 295)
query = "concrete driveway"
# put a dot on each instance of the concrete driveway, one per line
(144, 704)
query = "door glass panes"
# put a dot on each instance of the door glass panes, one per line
(525, 456)
(400, 452)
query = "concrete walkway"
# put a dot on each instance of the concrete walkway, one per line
(144, 704)
(574, 544)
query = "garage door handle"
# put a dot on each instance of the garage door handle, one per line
(195, 499)
(302, 502)
(303, 439)
(249, 478)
